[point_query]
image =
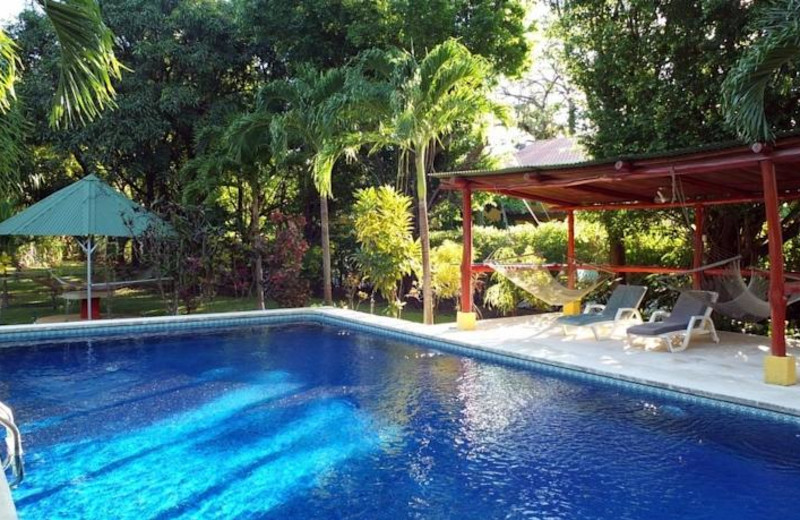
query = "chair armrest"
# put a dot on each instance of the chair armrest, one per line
(627, 313)
(658, 315)
(593, 308)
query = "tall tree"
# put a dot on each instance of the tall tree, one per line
(309, 111)
(256, 143)
(190, 68)
(652, 74)
(328, 33)
(651, 71)
(424, 101)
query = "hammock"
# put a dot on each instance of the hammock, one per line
(537, 280)
(738, 299)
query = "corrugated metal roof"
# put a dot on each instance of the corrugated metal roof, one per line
(708, 174)
(87, 207)
(559, 162)
(542, 166)
(561, 150)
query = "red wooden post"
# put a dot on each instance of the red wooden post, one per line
(466, 255)
(777, 297)
(697, 261)
(571, 249)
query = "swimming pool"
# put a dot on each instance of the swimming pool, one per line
(312, 421)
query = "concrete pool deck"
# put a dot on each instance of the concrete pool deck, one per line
(732, 370)
(729, 371)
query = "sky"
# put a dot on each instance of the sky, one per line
(11, 8)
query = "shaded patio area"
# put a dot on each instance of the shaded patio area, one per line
(732, 370)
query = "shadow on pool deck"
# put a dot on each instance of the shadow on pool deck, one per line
(732, 369)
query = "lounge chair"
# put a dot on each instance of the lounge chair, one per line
(623, 305)
(690, 316)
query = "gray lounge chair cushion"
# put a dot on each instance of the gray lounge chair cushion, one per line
(624, 296)
(690, 303)
(581, 320)
(656, 329)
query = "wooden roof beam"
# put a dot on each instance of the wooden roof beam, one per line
(754, 199)
(530, 196)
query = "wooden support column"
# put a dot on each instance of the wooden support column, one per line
(466, 254)
(572, 307)
(778, 368)
(697, 260)
(571, 249)
(777, 298)
(466, 318)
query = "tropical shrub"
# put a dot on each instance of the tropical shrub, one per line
(284, 259)
(185, 260)
(548, 241)
(386, 250)
(446, 270)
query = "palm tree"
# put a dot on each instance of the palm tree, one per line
(309, 111)
(422, 102)
(777, 25)
(87, 68)
(254, 154)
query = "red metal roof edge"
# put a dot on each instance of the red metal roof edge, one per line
(629, 162)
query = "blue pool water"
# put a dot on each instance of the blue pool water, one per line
(313, 422)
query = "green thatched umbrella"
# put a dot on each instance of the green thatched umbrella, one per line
(87, 208)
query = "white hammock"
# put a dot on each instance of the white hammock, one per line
(537, 280)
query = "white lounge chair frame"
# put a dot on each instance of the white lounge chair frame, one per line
(627, 315)
(697, 326)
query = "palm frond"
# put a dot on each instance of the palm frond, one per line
(9, 65)
(248, 135)
(745, 87)
(88, 65)
(13, 127)
(444, 56)
(322, 164)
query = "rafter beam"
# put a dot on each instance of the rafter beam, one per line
(670, 205)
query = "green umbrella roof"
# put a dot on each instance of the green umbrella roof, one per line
(87, 207)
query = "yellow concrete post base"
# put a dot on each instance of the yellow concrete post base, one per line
(466, 320)
(572, 308)
(780, 370)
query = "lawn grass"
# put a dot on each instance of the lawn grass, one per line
(29, 300)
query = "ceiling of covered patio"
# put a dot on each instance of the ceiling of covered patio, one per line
(717, 174)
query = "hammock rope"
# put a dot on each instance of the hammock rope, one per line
(537, 280)
(740, 299)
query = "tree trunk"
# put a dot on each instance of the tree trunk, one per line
(422, 205)
(255, 237)
(326, 250)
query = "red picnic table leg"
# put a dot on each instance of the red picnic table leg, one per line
(95, 309)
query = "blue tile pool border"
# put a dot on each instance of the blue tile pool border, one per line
(28, 336)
